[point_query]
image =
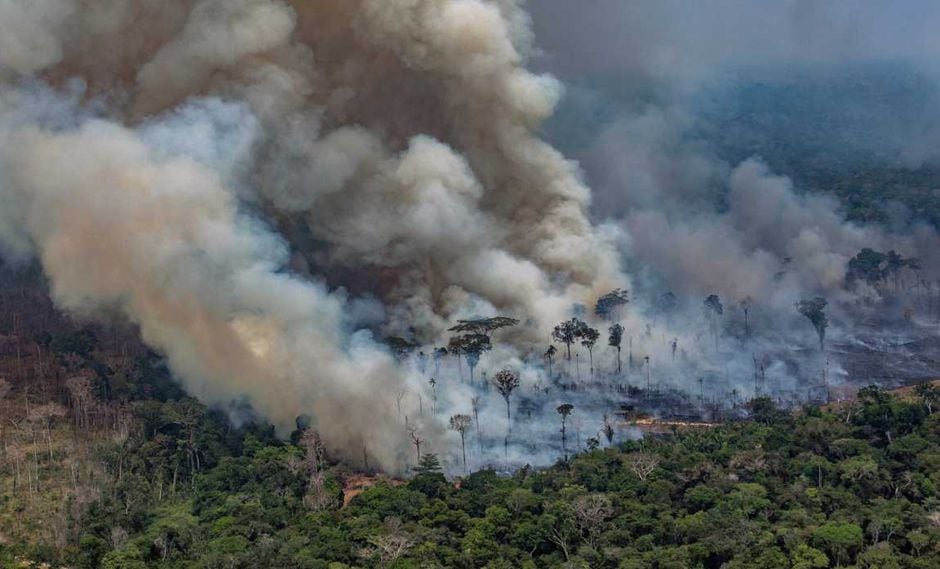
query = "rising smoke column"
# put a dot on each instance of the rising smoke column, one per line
(401, 132)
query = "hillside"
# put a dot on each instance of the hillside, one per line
(113, 467)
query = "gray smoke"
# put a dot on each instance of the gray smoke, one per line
(267, 187)
(154, 180)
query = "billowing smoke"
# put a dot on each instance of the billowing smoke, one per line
(226, 174)
(268, 189)
(683, 118)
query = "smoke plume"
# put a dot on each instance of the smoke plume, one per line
(223, 173)
(270, 188)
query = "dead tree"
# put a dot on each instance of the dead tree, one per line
(318, 497)
(642, 464)
(461, 424)
(506, 382)
(391, 545)
(591, 514)
(416, 440)
(564, 410)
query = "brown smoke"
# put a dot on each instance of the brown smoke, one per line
(400, 131)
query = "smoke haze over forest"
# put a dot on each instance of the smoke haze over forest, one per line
(272, 190)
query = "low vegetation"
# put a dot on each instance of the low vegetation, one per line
(854, 485)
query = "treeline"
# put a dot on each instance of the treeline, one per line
(856, 485)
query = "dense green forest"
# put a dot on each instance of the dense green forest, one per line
(852, 485)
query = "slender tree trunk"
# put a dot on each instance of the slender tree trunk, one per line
(463, 448)
(564, 440)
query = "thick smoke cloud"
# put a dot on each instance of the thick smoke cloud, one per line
(644, 81)
(266, 188)
(383, 147)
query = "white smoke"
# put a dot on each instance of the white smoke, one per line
(400, 134)
(264, 186)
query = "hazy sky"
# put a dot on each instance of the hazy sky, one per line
(669, 39)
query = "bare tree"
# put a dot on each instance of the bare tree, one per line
(564, 410)
(929, 395)
(461, 424)
(391, 545)
(591, 513)
(642, 464)
(314, 451)
(80, 394)
(506, 381)
(318, 496)
(45, 415)
(416, 440)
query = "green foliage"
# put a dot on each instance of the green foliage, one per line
(805, 491)
(840, 539)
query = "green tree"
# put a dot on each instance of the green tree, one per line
(806, 557)
(841, 540)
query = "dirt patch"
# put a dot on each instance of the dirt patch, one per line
(359, 483)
